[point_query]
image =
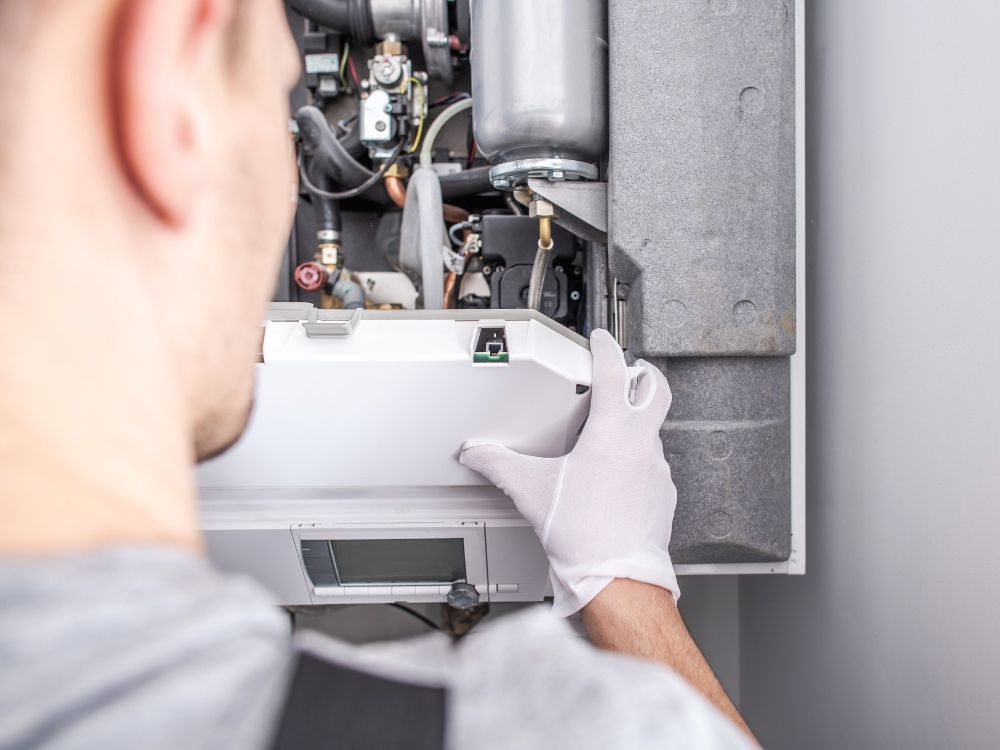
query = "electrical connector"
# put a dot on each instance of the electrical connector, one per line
(491, 346)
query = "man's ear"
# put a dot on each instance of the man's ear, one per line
(165, 54)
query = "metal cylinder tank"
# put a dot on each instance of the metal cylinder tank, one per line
(540, 79)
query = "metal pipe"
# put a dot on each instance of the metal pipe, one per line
(454, 214)
(352, 17)
(397, 190)
(545, 231)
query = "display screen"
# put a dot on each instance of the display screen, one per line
(399, 560)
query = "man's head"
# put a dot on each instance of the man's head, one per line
(153, 134)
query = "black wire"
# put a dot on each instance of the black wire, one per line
(412, 612)
(446, 100)
(353, 192)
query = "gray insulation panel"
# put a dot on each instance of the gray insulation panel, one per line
(727, 442)
(702, 173)
(701, 219)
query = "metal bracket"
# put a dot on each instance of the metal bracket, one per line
(583, 206)
(316, 328)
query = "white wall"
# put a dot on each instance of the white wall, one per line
(890, 640)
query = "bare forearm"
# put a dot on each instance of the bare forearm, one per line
(642, 620)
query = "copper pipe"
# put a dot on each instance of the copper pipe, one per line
(397, 193)
(396, 190)
(454, 214)
(451, 282)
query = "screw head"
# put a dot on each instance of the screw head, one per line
(380, 126)
(574, 295)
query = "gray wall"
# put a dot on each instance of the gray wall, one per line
(890, 640)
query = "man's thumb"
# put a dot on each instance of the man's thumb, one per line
(527, 480)
(495, 462)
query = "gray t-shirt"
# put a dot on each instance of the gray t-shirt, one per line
(153, 648)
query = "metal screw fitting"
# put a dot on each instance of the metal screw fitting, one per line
(463, 596)
(539, 207)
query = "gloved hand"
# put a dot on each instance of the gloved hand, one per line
(605, 510)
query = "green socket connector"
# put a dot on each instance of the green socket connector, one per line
(491, 347)
(485, 358)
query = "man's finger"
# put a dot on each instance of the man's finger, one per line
(611, 381)
(653, 392)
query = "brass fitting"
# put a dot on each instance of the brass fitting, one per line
(543, 211)
(390, 46)
(397, 170)
(329, 255)
(540, 207)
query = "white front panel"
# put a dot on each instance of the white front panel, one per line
(393, 404)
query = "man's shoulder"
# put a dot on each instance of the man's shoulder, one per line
(143, 633)
(529, 680)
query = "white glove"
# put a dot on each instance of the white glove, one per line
(605, 510)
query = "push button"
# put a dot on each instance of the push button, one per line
(328, 590)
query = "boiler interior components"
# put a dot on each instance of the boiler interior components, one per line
(462, 161)
(539, 81)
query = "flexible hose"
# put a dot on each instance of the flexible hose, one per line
(376, 178)
(325, 210)
(350, 294)
(467, 182)
(422, 236)
(439, 122)
(352, 143)
(538, 269)
(332, 158)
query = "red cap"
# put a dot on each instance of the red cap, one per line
(310, 276)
